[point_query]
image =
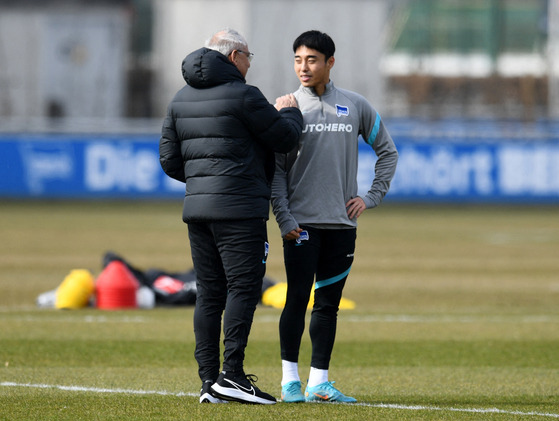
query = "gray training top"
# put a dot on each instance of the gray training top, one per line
(313, 182)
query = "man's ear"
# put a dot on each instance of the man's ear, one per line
(330, 62)
(233, 57)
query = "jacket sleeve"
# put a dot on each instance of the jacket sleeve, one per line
(385, 167)
(280, 201)
(170, 156)
(278, 131)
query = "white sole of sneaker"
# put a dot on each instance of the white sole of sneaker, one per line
(236, 395)
(207, 398)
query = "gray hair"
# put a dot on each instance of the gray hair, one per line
(225, 41)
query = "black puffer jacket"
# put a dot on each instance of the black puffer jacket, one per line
(219, 137)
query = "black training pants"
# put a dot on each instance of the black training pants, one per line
(328, 254)
(229, 259)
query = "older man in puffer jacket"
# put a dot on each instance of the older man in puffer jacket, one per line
(219, 137)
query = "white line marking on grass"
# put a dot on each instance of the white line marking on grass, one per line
(452, 409)
(364, 404)
(97, 389)
(406, 318)
(349, 318)
(432, 318)
(77, 319)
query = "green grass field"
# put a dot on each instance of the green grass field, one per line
(457, 318)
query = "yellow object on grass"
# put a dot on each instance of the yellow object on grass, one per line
(75, 290)
(275, 297)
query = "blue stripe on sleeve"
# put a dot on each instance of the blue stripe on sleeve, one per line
(374, 133)
(333, 280)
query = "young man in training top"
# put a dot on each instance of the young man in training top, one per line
(315, 201)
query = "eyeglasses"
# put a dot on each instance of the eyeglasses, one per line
(248, 54)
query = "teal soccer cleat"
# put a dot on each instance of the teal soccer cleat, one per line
(326, 392)
(291, 393)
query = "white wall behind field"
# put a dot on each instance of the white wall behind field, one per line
(67, 60)
(63, 62)
(270, 27)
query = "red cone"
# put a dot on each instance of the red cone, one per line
(116, 287)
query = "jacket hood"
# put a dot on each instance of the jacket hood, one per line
(205, 68)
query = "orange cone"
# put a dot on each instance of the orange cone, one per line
(116, 287)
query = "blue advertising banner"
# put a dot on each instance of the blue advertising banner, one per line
(454, 168)
(54, 166)
(473, 172)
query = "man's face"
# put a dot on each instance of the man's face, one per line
(311, 67)
(241, 59)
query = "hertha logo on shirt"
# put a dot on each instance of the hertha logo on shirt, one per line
(342, 110)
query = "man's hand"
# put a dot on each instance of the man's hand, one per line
(285, 101)
(355, 207)
(293, 234)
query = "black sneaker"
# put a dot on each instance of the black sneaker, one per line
(240, 388)
(206, 394)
